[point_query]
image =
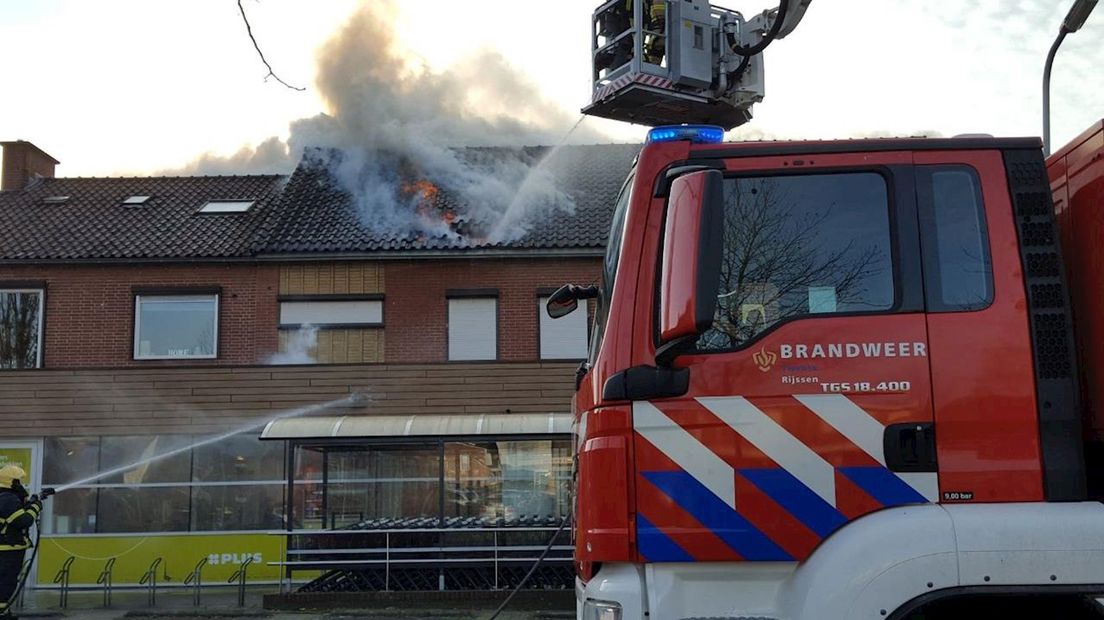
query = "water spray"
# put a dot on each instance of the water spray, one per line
(529, 187)
(351, 400)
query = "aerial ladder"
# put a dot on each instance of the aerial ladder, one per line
(663, 62)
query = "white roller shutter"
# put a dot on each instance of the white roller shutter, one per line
(473, 329)
(335, 312)
(564, 338)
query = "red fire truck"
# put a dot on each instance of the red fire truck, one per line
(855, 379)
(840, 380)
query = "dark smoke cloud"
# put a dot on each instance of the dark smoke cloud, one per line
(388, 110)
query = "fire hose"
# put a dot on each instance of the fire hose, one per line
(26, 570)
(533, 569)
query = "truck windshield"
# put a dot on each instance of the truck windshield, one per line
(609, 267)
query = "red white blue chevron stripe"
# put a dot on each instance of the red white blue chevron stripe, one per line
(642, 78)
(731, 478)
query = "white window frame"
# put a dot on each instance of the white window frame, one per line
(542, 317)
(176, 296)
(448, 335)
(41, 319)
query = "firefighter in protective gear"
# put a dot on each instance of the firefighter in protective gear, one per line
(17, 514)
(655, 21)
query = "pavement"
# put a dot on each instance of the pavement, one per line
(223, 605)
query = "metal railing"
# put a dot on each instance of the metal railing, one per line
(325, 550)
(62, 579)
(195, 579)
(239, 576)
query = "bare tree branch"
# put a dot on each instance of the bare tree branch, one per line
(271, 73)
(775, 252)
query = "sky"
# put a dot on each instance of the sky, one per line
(118, 87)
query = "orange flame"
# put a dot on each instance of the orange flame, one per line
(424, 190)
(425, 193)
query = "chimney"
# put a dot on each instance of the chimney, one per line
(23, 163)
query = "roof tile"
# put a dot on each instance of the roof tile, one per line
(94, 223)
(317, 216)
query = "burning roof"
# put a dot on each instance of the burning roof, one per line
(311, 213)
(320, 213)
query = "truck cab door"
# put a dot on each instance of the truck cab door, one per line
(983, 378)
(809, 400)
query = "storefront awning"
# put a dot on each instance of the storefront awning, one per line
(418, 426)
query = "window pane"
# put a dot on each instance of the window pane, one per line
(473, 484)
(386, 482)
(72, 512)
(142, 453)
(156, 509)
(306, 503)
(536, 478)
(956, 251)
(564, 338)
(176, 326)
(609, 266)
(238, 459)
(69, 459)
(228, 508)
(472, 329)
(20, 328)
(800, 245)
(522, 482)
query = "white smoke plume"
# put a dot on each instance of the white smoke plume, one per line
(300, 349)
(393, 121)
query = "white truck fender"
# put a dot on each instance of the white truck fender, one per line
(1060, 543)
(873, 564)
(880, 562)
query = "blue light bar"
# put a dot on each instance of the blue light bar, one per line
(698, 134)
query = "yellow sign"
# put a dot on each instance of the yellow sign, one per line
(21, 457)
(179, 554)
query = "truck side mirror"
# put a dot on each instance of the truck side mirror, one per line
(692, 243)
(566, 299)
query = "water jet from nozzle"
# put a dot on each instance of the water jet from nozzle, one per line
(352, 400)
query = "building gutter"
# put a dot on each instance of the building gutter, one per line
(315, 257)
(439, 254)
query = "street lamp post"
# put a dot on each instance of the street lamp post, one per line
(1076, 17)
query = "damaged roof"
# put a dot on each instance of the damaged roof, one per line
(106, 218)
(162, 218)
(316, 216)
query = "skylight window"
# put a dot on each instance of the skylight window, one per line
(226, 206)
(55, 200)
(131, 201)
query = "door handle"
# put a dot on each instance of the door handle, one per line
(910, 447)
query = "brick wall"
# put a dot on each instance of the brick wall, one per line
(90, 310)
(416, 310)
(23, 162)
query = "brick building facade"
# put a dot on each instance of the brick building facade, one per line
(297, 304)
(89, 311)
(89, 308)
